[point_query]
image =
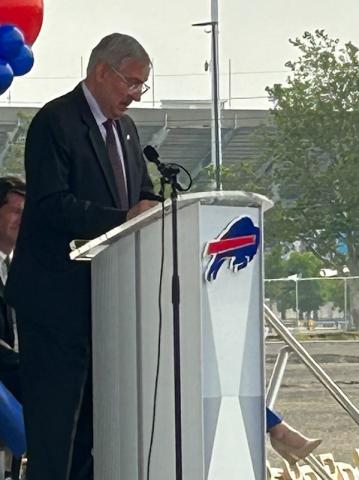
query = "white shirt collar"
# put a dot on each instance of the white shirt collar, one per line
(94, 106)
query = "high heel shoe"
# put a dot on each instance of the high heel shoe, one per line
(291, 454)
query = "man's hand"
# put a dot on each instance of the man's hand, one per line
(140, 207)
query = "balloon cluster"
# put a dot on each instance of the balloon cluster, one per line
(16, 57)
(20, 24)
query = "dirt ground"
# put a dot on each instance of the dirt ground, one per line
(309, 407)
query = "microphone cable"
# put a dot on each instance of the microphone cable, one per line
(152, 155)
(160, 322)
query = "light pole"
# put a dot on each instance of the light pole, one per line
(153, 83)
(346, 322)
(347, 319)
(216, 103)
(296, 300)
(295, 279)
(326, 272)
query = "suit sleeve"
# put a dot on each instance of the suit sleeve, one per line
(48, 173)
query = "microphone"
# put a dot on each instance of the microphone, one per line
(151, 154)
(169, 171)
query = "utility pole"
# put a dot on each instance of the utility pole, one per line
(153, 83)
(230, 83)
(216, 138)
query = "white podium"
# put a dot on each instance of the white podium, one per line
(222, 358)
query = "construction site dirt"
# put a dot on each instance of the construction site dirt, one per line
(308, 406)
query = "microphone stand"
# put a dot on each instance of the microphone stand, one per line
(169, 175)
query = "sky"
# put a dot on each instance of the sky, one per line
(253, 36)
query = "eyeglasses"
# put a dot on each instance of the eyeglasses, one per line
(133, 87)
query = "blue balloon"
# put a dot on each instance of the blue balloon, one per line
(6, 76)
(11, 41)
(23, 62)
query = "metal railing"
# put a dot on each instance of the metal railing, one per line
(277, 375)
(313, 366)
(330, 294)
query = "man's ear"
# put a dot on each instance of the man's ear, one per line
(101, 72)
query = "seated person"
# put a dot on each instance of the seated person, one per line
(12, 198)
(286, 441)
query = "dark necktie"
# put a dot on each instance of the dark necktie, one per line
(116, 164)
(7, 263)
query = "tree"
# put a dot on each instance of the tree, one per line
(13, 163)
(311, 294)
(278, 293)
(311, 154)
(315, 149)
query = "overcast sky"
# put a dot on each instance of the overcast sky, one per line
(253, 34)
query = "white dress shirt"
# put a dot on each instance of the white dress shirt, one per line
(3, 266)
(100, 120)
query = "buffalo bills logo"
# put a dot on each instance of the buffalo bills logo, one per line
(238, 244)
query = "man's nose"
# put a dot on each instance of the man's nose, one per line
(136, 95)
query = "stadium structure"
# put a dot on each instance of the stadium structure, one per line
(180, 130)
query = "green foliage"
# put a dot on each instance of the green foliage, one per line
(304, 264)
(310, 160)
(13, 163)
(333, 291)
(311, 294)
(315, 149)
(155, 176)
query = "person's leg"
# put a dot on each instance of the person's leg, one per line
(52, 378)
(288, 442)
(82, 459)
(273, 418)
(288, 435)
(11, 379)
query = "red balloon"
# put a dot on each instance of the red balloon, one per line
(27, 15)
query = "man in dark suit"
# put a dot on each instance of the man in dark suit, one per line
(85, 175)
(12, 197)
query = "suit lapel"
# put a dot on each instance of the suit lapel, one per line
(100, 150)
(97, 142)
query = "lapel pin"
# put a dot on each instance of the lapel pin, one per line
(128, 137)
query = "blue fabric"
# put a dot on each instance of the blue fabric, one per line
(12, 428)
(273, 418)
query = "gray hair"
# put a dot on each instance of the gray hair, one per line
(114, 48)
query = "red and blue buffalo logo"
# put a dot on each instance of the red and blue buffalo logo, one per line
(238, 244)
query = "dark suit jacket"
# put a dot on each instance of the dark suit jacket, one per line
(70, 194)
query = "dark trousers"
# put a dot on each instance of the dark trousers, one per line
(57, 400)
(82, 459)
(273, 418)
(10, 377)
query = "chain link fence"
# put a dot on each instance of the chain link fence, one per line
(315, 303)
